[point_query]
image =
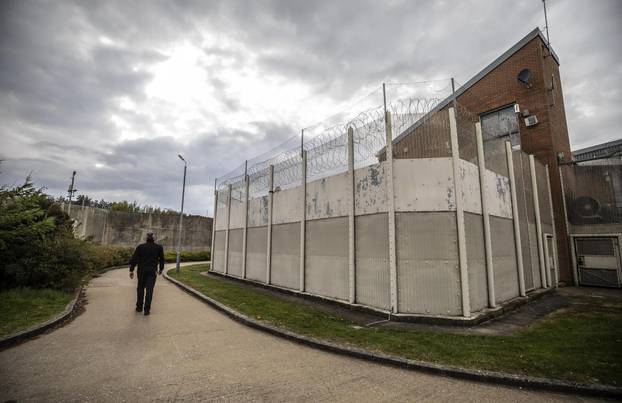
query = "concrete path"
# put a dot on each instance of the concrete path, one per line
(186, 351)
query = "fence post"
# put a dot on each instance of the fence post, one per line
(391, 213)
(212, 251)
(490, 274)
(554, 251)
(245, 230)
(303, 218)
(517, 240)
(269, 246)
(462, 253)
(351, 228)
(226, 269)
(546, 280)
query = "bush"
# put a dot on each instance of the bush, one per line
(171, 256)
(104, 256)
(38, 246)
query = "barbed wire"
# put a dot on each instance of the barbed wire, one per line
(326, 142)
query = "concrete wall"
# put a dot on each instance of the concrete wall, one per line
(353, 264)
(130, 229)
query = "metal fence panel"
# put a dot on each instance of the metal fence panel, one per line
(235, 252)
(504, 258)
(476, 262)
(372, 260)
(427, 264)
(285, 271)
(219, 253)
(256, 247)
(326, 258)
(524, 200)
(532, 234)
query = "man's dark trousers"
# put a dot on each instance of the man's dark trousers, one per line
(146, 281)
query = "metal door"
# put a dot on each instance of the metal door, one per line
(598, 261)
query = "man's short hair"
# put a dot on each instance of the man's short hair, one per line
(150, 236)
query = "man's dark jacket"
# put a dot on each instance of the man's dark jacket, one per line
(148, 256)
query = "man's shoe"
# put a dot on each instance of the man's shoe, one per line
(139, 309)
(146, 313)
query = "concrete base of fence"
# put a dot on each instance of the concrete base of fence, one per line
(451, 371)
(476, 319)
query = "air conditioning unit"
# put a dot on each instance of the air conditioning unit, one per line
(531, 120)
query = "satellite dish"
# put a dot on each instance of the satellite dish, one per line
(524, 77)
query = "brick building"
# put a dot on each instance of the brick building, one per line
(492, 95)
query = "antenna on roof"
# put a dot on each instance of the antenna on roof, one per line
(546, 24)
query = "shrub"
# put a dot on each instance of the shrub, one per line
(186, 256)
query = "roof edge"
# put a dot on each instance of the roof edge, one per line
(481, 74)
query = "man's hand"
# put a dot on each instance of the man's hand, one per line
(131, 274)
(160, 272)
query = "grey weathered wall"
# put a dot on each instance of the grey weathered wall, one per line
(130, 229)
(436, 265)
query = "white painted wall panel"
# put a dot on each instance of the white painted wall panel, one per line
(471, 193)
(424, 184)
(370, 190)
(257, 211)
(327, 197)
(287, 205)
(498, 195)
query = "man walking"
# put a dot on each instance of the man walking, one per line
(148, 256)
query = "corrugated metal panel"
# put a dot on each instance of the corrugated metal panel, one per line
(476, 261)
(326, 267)
(504, 258)
(256, 245)
(427, 264)
(235, 252)
(523, 199)
(533, 250)
(543, 194)
(531, 220)
(219, 255)
(372, 260)
(285, 270)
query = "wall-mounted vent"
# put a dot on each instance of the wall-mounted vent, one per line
(531, 120)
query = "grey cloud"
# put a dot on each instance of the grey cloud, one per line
(59, 86)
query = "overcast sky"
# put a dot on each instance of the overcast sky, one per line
(115, 90)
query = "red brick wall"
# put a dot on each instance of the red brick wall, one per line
(550, 136)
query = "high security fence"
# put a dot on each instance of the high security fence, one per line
(407, 208)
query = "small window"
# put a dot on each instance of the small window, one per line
(501, 123)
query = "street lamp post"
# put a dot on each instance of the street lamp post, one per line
(181, 214)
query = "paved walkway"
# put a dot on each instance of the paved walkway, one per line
(186, 351)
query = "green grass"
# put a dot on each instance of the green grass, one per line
(581, 344)
(22, 308)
